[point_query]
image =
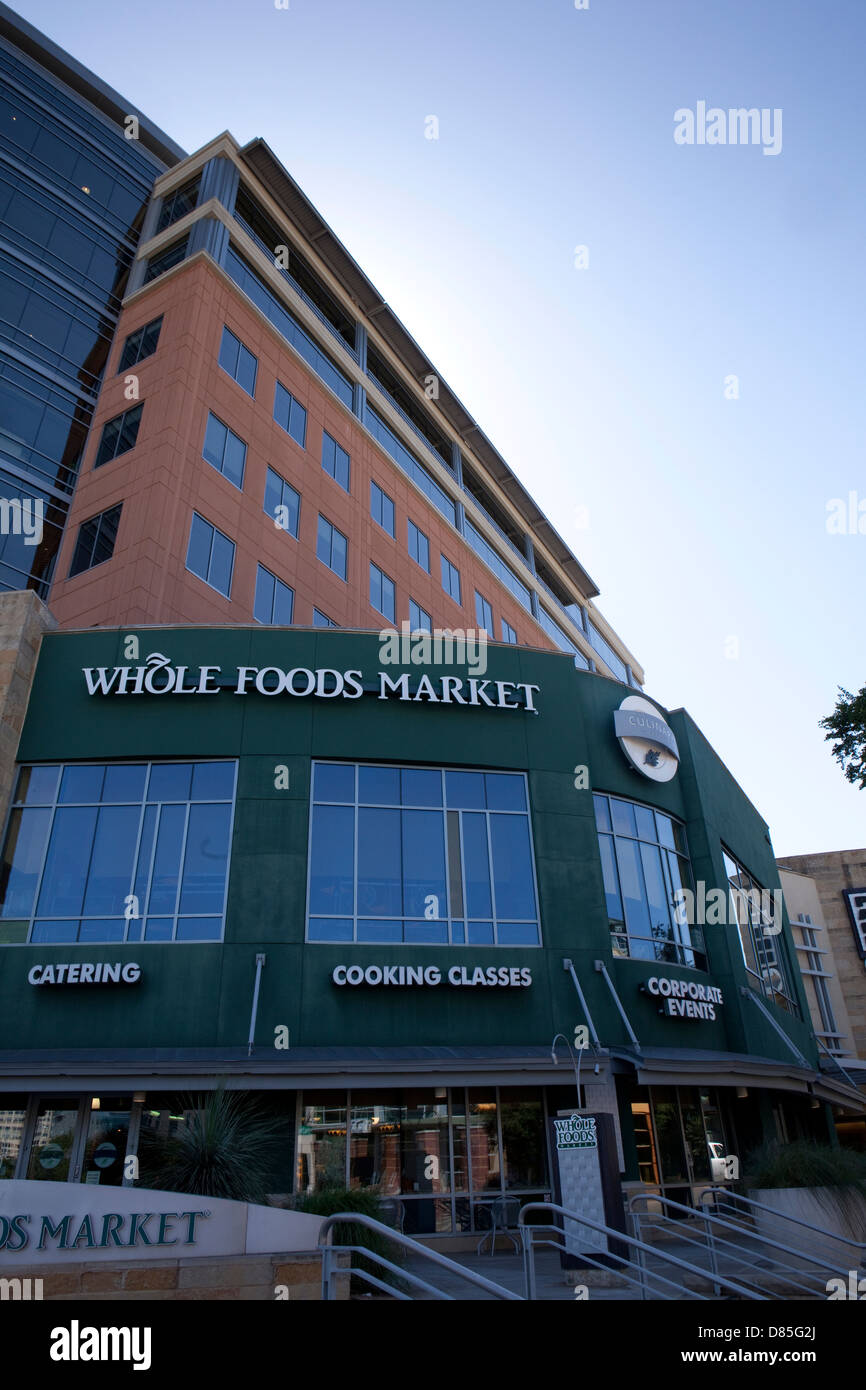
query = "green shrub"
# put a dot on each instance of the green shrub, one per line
(839, 1174)
(366, 1200)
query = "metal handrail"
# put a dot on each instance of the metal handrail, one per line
(717, 1190)
(620, 1236)
(721, 1223)
(355, 1218)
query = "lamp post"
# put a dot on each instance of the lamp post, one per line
(576, 1064)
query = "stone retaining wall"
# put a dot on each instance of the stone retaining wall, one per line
(257, 1277)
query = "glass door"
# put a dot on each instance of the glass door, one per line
(106, 1136)
(54, 1139)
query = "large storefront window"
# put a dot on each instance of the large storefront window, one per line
(644, 858)
(679, 1138)
(437, 1157)
(117, 852)
(422, 855)
(754, 911)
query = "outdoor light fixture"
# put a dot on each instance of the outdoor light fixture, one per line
(138, 1098)
(742, 1092)
(95, 1103)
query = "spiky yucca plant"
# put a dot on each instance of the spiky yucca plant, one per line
(228, 1147)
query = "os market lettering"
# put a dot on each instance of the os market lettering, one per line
(114, 1228)
(158, 676)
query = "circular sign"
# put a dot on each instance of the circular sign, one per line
(104, 1155)
(50, 1156)
(646, 739)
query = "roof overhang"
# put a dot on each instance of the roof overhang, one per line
(669, 1067)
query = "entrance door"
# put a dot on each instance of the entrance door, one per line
(105, 1141)
(78, 1139)
(54, 1139)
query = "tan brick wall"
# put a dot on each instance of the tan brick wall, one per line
(835, 873)
(23, 620)
(249, 1277)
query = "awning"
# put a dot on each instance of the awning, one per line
(668, 1066)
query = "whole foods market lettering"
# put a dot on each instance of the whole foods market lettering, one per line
(404, 976)
(685, 998)
(158, 676)
(99, 1232)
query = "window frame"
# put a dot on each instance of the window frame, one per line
(285, 484)
(481, 603)
(383, 577)
(233, 545)
(449, 919)
(148, 763)
(413, 603)
(140, 333)
(263, 569)
(338, 450)
(327, 563)
(73, 573)
(220, 468)
(293, 403)
(422, 541)
(452, 570)
(138, 410)
(387, 498)
(242, 347)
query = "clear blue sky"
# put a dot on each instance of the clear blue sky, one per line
(603, 387)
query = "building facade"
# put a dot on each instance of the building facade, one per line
(387, 897)
(73, 191)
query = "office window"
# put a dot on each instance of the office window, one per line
(119, 435)
(238, 361)
(483, 613)
(95, 541)
(322, 620)
(275, 601)
(118, 852)
(419, 547)
(421, 854)
(382, 509)
(140, 344)
(508, 633)
(607, 653)
(210, 555)
(177, 204)
(225, 451)
(451, 579)
(332, 547)
(290, 414)
(282, 503)
(419, 621)
(164, 260)
(645, 861)
(335, 461)
(753, 909)
(382, 593)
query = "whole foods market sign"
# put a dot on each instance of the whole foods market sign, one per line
(577, 1132)
(158, 676)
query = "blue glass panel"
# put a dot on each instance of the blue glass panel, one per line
(611, 880)
(426, 931)
(323, 541)
(379, 786)
(476, 862)
(645, 822)
(602, 813)
(145, 852)
(228, 358)
(158, 929)
(62, 889)
(25, 847)
(234, 459)
(480, 933)
(169, 782)
(333, 782)
(221, 563)
(634, 897)
(330, 929)
(284, 604)
(134, 928)
(198, 551)
(199, 929)
(111, 861)
(206, 859)
(124, 783)
(82, 784)
(213, 781)
(622, 813)
(37, 785)
(214, 441)
(331, 859)
(657, 897)
(373, 930)
(421, 786)
(246, 370)
(505, 792)
(54, 931)
(102, 930)
(424, 872)
(665, 828)
(458, 933)
(263, 607)
(166, 863)
(338, 553)
(517, 934)
(513, 884)
(379, 863)
(465, 790)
